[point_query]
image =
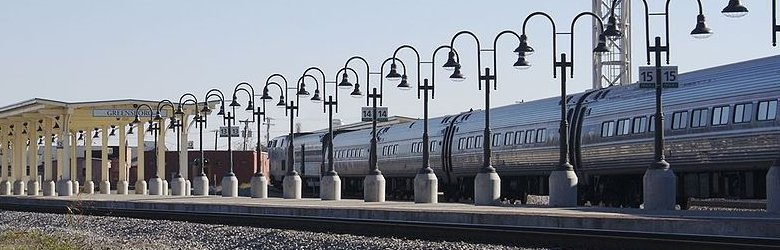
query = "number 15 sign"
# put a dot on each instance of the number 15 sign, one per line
(647, 77)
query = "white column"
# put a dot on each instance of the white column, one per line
(140, 183)
(5, 188)
(105, 164)
(18, 184)
(122, 183)
(33, 186)
(161, 150)
(89, 185)
(184, 168)
(73, 161)
(48, 183)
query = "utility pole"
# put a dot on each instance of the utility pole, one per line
(245, 133)
(268, 125)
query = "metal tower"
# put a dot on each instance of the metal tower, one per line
(614, 67)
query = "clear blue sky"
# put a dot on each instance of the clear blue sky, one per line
(98, 50)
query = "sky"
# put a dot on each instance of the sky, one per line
(90, 50)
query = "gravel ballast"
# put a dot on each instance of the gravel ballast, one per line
(106, 232)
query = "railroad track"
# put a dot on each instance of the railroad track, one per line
(492, 234)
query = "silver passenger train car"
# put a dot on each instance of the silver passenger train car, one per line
(721, 128)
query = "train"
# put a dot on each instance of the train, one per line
(721, 130)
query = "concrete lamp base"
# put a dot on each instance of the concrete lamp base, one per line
(178, 186)
(65, 188)
(330, 188)
(229, 186)
(374, 188)
(49, 188)
(773, 189)
(487, 189)
(75, 187)
(5, 187)
(141, 187)
(19, 187)
(563, 188)
(33, 188)
(187, 188)
(165, 187)
(155, 186)
(426, 188)
(291, 186)
(259, 186)
(89, 187)
(660, 189)
(200, 185)
(122, 187)
(105, 187)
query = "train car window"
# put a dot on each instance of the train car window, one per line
(530, 135)
(651, 123)
(413, 146)
(469, 142)
(680, 120)
(608, 129)
(519, 137)
(478, 141)
(496, 140)
(743, 112)
(720, 115)
(433, 146)
(509, 138)
(384, 150)
(395, 148)
(540, 135)
(640, 124)
(460, 143)
(767, 110)
(623, 126)
(699, 118)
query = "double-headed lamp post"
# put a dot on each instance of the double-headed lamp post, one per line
(292, 183)
(563, 180)
(487, 183)
(660, 183)
(180, 185)
(153, 130)
(426, 184)
(374, 183)
(330, 183)
(258, 182)
(201, 181)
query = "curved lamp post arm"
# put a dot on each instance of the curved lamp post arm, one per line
(343, 73)
(433, 66)
(417, 54)
(324, 90)
(495, 56)
(555, 41)
(479, 56)
(382, 79)
(574, 21)
(700, 18)
(211, 94)
(368, 75)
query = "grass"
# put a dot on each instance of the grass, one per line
(13, 239)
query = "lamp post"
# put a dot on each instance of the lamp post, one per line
(425, 181)
(180, 184)
(563, 180)
(292, 182)
(257, 181)
(330, 183)
(487, 183)
(201, 180)
(374, 182)
(660, 183)
(155, 184)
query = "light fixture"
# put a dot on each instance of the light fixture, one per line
(523, 47)
(96, 134)
(130, 131)
(345, 84)
(302, 92)
(451, 64)
(393, 76)
(250, 106)
(521, 63)
(113, 131)
(602, 45)
(265, 97)
(701, 31)
(612, 31)
(734, 9)
(457, 76)
(404, 85)
(356, 92)
(281, 102)
(316, 98)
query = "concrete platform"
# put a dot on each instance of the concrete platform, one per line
(714, 223)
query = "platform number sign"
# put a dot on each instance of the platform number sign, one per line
(366, 113)
(223, 131)
(647, 77)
